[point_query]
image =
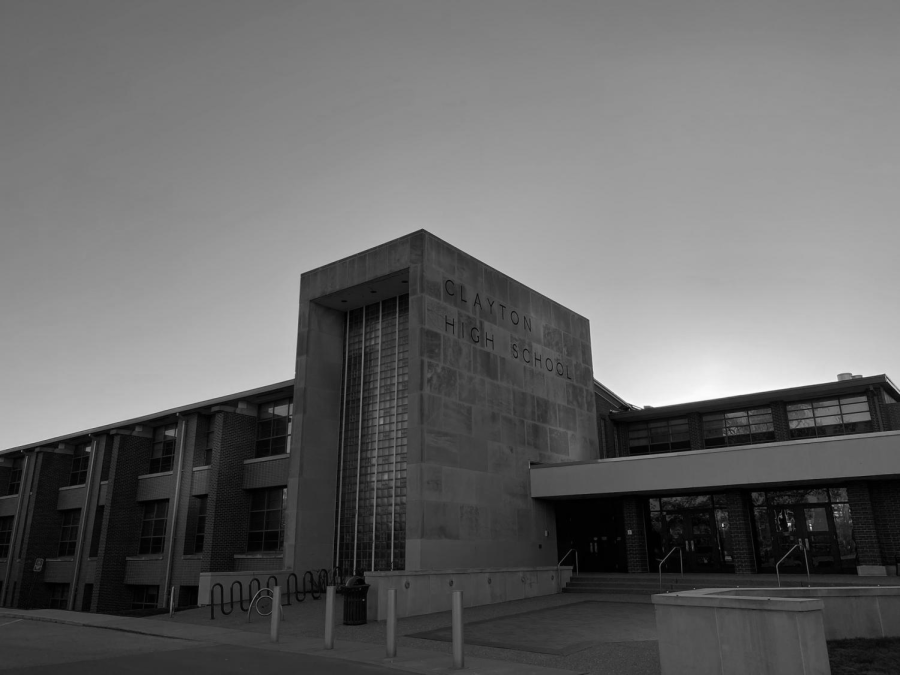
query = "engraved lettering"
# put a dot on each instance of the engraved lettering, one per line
(490, 305)
(476, 337)
(527, 322)
(549, 364)
(489, 337)
(502, 307)
(515, 350)
(462, 293)
(449, 287)
(514, 317)
(568, 377)
(450, 322)
(525, 358)
(477, 302)
(559, 368)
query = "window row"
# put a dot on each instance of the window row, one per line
(830, 417)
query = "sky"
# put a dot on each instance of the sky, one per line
(713, 183)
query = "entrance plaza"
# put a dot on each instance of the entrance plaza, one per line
(605, 633)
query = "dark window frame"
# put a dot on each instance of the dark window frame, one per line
(162, 454)
(68, 533)
(829, 417)
(153, 527)
(81, 461)
(670, 434)
(200, 531)
(6, 527)
(739, 427)
(273, 428)
(265, 532)
(15, 476)
(59, 596)
(145, 597)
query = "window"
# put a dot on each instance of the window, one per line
(153, 528)
(87, 597)
(163, 452)
(743, 427)
(200, 532)
(266, 520)
(6, 524)
(81, 460)
(68, 536)
(273, 431)
(95, 533)
(59, 596)
(144, 597)
(833, 417)
(208, 445)
(649, 438)
(15, 477)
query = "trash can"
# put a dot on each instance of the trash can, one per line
(355, 601)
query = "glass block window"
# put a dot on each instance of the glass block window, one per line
(144, 597)
(59, 596)
(273, 430)
(266, 532)
(162, 454)
(832, 417)
(742, 427)
(650, 438)
(153, 527)
(15, 476)
(6, 525)
(68, 536)
(81, 460)
(371, 505)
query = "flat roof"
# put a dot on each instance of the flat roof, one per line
(260, 391)
(791, 394)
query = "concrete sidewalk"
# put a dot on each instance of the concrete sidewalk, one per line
(256, 635)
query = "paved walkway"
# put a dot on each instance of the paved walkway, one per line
(551, 635)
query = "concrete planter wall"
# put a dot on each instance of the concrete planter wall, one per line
(430, 591)
(767, 630)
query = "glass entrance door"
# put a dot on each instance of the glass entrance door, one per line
(814, 521)
(694, 532)
(811, 530)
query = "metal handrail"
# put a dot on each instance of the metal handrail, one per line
(558, 577)
(805, 559)
(663, 562)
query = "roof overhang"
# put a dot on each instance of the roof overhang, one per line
(832, 460)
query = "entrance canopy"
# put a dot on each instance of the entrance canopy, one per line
(875, 455)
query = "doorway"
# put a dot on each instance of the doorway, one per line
(805, 526)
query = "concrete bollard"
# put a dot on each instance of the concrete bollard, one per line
(392, 623)
(457, 621)
(329, 618)
(276, 614)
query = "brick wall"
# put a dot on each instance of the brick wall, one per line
(864, 528)
(636, 542)
(890, 415)
(228, 508)
(122, 517)
(885, 497)
(780, 420)
(42, 537)
(741, 527)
